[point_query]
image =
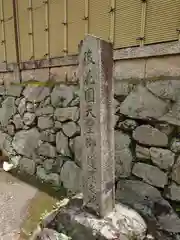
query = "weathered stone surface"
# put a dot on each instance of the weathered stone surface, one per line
(45, 122)
(36, 94)
(175, 145)
(11, 129)
(27, 165)
(62, 144)
(8, 110)
(122, 141)
(71, 176)
(141, 104)
(60, 160)
(58, 125)
(142, 152)
(48, 136)
(48, 110)
(7, 146)
(64, 114)
(18, 122)
(51, 234)
(17, 101)
(30, 107)
(2, 90)
(61, 96)
(70, 129)
(162, 157)
(22, 106)
(75, 102)
(51, 178)
(150, 174)
(173, 192)
(165, 128)
(29, 118)
(167, 89)
(15, 160)
(116, 120)
(148, 201)
(122, 223)
(3, 137)
(25, 142)
(13, 90)
(123, 88)
(176, 171)
(123, 156)
(147, 135)
(76, 147)
(47, 101)
(173, 115)
(47, 150)
(127, 125)
(123, 163)
(48, 164)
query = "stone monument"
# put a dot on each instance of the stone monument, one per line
(96, 107)
(106, 220)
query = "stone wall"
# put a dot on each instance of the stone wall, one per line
(147, 145)
(38, 128)
(40, 132)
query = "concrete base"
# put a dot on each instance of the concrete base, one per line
(123, 223)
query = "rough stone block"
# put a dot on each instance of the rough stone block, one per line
(147, 135)
(61, 96)
(14, 91)
(7, 111)
(36, 94)
(27, 165)
(167, 89)
(62, 145)
(123, 163)
(142, 104)
(29, 118)
(162, 67)
(163, 158)
(71, 176)
(61, 74)
(48, 110)
(150, 174)
(164, 223)
(22, 106)
(122, 141)
(70, 129)
(47, 150)
(131, 69)
(176, 171)
(173, 192)
(25, 142)
(64, 114)
(142, 152)
(173, 115)
(48, 136)
(175, 145)
(45, 122)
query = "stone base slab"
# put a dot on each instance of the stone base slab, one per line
(123, 223)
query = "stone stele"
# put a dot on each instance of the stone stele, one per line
(96, 107)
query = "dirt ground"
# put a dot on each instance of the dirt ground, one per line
(15, 197)
(21, 207)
